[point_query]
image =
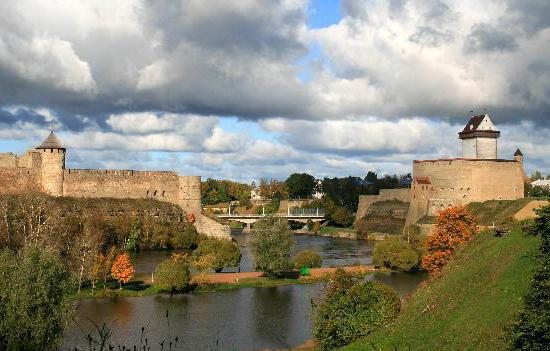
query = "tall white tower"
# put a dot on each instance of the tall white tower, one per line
(479, 138)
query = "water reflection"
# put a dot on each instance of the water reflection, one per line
(241, 319)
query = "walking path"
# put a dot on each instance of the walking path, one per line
(228, 278)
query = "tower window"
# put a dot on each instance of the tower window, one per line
(163, 193)
(155, 193)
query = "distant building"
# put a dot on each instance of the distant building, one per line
(318, 190)
(255, 195)
(541, 183)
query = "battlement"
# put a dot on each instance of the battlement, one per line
(118, 173)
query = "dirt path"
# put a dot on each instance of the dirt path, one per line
(528, 211)
(229, 278)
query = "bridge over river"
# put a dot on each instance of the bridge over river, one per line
(302, 215)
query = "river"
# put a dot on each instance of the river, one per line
(240, 319)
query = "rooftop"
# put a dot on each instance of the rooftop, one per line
(51, 142)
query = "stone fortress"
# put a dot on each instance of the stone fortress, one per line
(479, 175)
(43, 169)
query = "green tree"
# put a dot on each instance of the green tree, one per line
(396, 254)
(173, 274)
(531, 331)
(300, 185)
(185, 237)
(225, 253)
(352, 310)
(308, 258)
(35, 300)
(271, 242)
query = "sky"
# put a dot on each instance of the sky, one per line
(247, 89)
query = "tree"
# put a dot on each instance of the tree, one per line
(173, 274)
(308, 259)
(271, 242)
(352, 310)
(300, 185)
(395, 254)
(454, 226)
(222, 253)
(122, 269)
(531, 331)
(536, 175)
(185, 237)
(35, 300)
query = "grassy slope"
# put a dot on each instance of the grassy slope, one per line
(497, 211)
(478, 295)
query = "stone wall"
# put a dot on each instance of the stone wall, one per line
(365, 201)
(189, 196)
(210, 227)
(439, 184)
(163, 186)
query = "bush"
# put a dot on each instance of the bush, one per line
(395, 254)
(185, 237)
(270, 243)
(307, 258)
(532, 329)
(352, 310)
(35, 300)
(172, 274)
(454, 227)
(221, 253)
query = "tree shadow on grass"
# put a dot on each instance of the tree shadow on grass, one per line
(136, 285)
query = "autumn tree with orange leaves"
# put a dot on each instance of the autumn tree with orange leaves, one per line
(122, 269)
(454, 227)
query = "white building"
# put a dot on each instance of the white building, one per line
(479, 138)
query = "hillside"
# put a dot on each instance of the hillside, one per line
(383, 217)
(468, 307)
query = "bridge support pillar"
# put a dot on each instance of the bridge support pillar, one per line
(247, 228)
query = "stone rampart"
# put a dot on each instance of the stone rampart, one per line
(365, 201)
(163, 186)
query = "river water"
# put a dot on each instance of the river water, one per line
(240, 319)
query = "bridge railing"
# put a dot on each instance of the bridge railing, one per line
(297, 212)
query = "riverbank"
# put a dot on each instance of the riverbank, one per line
(209, 282)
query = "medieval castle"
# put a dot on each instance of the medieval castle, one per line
(43, 169)
(479, 175)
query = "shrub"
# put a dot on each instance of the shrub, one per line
(395, 254)
(308, 258)
(454, 226)
(185, 237)
(352, 310)
(532, 329)
(172, 274)
(35, 300)
(270, 243)
(221, 253)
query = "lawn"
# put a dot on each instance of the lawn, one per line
(470, 306)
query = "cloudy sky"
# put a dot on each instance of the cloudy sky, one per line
(245, 89)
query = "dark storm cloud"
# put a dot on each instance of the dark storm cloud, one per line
(486, 38)
(531, 15)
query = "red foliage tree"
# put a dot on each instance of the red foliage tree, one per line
(122, 269)
(454, 226)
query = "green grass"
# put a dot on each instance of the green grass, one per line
(497, 211)
(470, 306)
(330, 230)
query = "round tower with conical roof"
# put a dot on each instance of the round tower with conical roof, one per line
(52, 154)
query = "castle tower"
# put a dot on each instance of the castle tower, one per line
(518, 156)
(190, 193)
(52, 154)
(479, 138)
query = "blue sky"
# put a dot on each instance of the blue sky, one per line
(254, 89)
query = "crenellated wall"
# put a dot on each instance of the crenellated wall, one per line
(121, 184)
(439, 184)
